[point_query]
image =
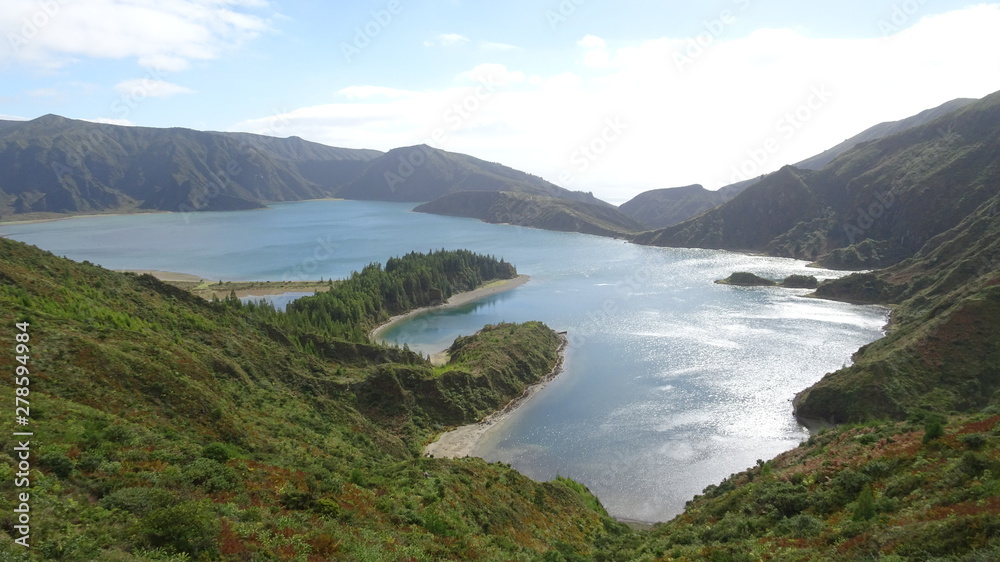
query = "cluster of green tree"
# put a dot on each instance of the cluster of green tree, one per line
(354, 306)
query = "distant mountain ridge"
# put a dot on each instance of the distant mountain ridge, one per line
(422, 173)
(57, 165)
(662, 208)
(537, 211)
(873, 206)
(883, 130)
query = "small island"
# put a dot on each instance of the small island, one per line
(747, 279)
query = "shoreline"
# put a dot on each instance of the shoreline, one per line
(125, 212)
(460, 441)
(456, 300)
(206, 288)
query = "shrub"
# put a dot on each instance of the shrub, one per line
(137, 500)
(974, 441)
(187, 527)
(933, 429)
(800, 526)
(210, 475)
(864, 508)
(57, 462)
(217, 452)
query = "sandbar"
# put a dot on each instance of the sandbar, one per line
(460, 442)
(456, 300)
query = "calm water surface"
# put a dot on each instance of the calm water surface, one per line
(672, 383)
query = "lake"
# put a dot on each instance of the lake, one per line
(671, 382)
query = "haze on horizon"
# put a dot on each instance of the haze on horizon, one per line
(587, 94)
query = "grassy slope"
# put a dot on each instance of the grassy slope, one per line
(868, 492)
(943, 353)
(167, 424)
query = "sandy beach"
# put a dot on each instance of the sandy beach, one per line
(456, 300)
(460, 441)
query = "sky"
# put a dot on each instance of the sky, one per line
(610, 97)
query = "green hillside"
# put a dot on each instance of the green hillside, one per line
(164, 425)
(423, 173)
(943, 351)
(536, 211)
(58, 165)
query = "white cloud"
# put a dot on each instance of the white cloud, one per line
(109, 121)
(447, 40)
(492, 73)
(12, 118)
(141, 88)
(597, 55)
(592, 42)
(44, 93)
(365, 92)
(697, 122)
(491, 46)
(164, 34)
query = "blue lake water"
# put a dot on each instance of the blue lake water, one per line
(671, 382)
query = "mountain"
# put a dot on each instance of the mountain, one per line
(58, 165)
(942, 353)
(536, 211)
(873, 206)
(661, 208)
(422, 173)
(882, 130)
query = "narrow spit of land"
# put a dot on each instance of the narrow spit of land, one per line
(460, 442)
(208, 289)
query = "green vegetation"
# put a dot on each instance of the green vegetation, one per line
(424, 173)
(356, 305)
(746, 279)
(864, 492)
(800, 282)
(942, 353)
(168, 427)
(53, 165)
